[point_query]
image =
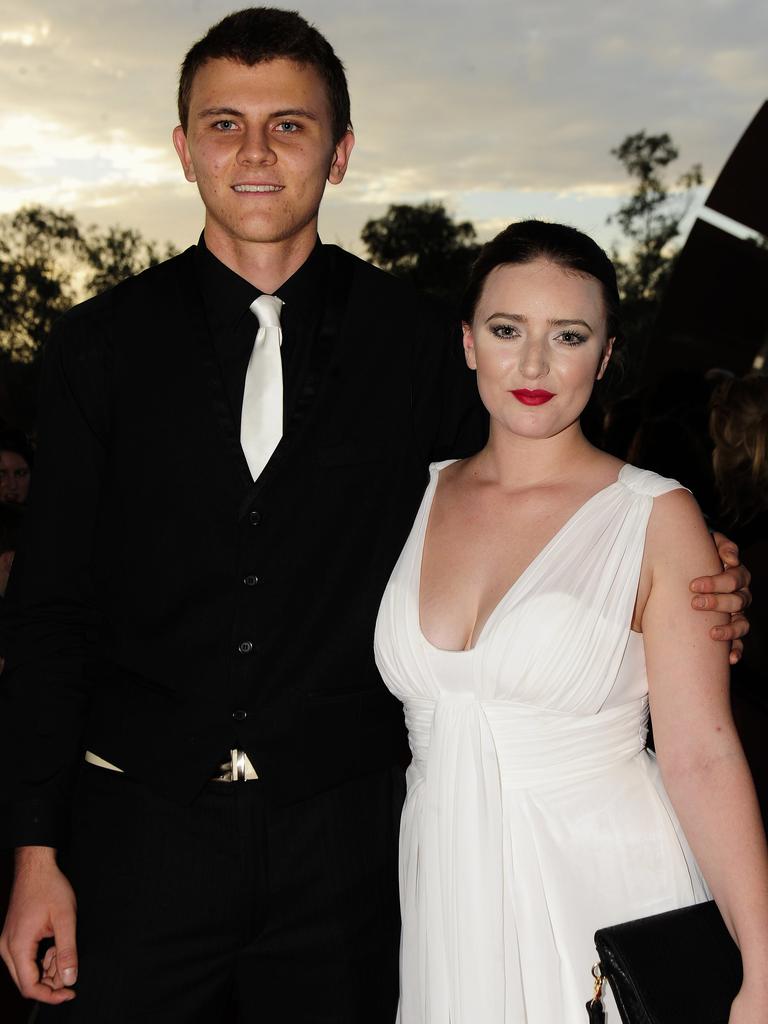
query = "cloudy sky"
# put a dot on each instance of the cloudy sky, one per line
(501, 108)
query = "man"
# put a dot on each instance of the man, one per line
(235, 617)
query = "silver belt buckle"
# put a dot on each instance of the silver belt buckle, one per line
(238, 760)
(237, 769)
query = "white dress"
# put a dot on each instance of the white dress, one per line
(534, 813)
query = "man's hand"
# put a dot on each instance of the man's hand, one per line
(42, 906)
(727, 592)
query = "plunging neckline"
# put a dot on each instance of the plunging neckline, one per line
(513, 586)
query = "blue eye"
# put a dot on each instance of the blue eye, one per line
(225, 125)
(288, 127)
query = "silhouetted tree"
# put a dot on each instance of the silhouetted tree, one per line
(48, 261)
(42, 253)
(650, 220)
(118, 253)
(423, 245)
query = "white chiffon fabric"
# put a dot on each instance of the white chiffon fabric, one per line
(534, 814)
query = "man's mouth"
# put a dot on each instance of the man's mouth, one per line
(257, 188)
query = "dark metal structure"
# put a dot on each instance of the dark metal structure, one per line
(714, 312)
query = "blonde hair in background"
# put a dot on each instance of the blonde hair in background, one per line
(738, 425)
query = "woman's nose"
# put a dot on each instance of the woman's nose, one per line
(534, 362)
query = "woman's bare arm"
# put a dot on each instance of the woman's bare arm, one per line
(699, 752)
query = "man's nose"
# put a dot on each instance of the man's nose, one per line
(256, 148)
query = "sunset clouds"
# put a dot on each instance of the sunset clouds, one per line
(501, 109)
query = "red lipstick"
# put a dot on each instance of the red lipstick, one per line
(532, 397)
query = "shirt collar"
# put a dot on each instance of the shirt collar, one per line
(227, 296)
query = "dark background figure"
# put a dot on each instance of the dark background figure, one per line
(15, 467)
(739, 429)
(672, 438)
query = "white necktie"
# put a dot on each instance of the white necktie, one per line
(261, 419)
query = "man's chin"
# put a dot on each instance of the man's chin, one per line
(272, 232)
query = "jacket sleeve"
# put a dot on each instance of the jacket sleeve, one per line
(52, 611)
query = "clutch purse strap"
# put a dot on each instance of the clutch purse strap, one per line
(595, 1011)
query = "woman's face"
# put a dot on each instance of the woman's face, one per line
(538, 342)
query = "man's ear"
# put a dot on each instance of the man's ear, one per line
(181, 147)
(340, 159)
(606, 358)
(468, 341)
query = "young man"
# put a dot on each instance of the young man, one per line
(184, 626)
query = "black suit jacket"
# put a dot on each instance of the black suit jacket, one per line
(167, 607)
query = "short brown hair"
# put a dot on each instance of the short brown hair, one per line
(259, 34)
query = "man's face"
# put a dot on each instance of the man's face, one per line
(14, 478)
(260, 147)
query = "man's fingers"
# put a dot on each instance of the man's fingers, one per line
(43, 993)
(726, 549)
(733, 604)
(737, 649)
(739, 628)
(66, 948)
(727, 582)
(733, 630)
(27, 977)
(51, 975)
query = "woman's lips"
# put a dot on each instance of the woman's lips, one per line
(532, 397)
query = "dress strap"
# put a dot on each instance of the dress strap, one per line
(644, 481)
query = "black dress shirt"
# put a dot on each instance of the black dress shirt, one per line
(161, 615)
(227, 298)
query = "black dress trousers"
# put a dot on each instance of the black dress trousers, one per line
(230, 911)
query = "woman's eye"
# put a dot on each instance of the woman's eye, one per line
(572, 337)
(504, 331)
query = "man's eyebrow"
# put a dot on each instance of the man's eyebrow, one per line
(519, 318)
(219, 112)
(296, 112)
(232, 112)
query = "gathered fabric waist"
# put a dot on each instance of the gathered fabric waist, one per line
(532, 746)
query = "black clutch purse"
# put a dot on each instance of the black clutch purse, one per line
(681, 967)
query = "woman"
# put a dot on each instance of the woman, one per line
(539, 599)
